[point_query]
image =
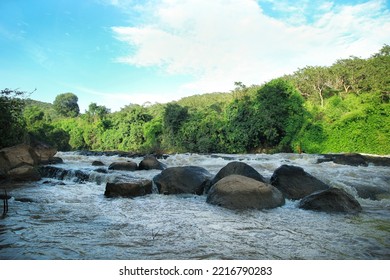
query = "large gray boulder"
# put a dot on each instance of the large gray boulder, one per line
(19, 155)
(150, 162)
(331, 200)
(238, 168)
(132, 189)
(239, 192)
(184, 179)
(295, 183)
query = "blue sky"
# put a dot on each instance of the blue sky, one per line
(117, 52)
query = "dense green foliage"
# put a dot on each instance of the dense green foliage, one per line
(12, 126)
(66, 105)
(341, 108)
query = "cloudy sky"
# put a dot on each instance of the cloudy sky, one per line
(117, 52)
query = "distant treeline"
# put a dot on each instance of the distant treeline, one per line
(341, 108)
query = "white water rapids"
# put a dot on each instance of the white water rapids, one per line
(66, 219)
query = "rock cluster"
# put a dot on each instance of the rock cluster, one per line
(20, 162)
(236, 186)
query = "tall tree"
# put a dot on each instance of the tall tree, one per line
(281, 113)
(66, 105)
(313, 80)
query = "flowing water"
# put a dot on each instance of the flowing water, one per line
(69, 219)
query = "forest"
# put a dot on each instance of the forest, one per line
(339, 108)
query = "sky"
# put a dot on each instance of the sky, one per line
(118, 52)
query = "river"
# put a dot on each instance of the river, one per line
(67, 219)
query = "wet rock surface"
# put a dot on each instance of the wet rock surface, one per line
(240, 192)
(295, 183)
(331, 200)
(185, 179)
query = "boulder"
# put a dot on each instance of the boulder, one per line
(132, 189)
(20, 162)
(239, 192)
(19, 155)
(150, 162)
(185, 179)
(44, 152)
(295, 183)
(24, 172)
(125, 166)
(238, 168)
(331, 200)
(97, 163)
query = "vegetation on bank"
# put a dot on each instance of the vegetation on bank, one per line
(341, 108)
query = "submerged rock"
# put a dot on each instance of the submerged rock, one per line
(132, 189)
(331, 200)
(58, 173)
(180, 180)
(295, 183)
(355, 159)
(372, 192)
(240, 192)
(345, 159)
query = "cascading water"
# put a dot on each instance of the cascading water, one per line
(67, 216)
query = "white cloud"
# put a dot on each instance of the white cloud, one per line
(222, 41)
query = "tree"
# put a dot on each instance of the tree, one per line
(96, 112)
(281, 113)
(173, 118)
(12, 126)
(241, 130)
(313, 80)
(66, 105)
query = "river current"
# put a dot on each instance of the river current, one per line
(67, 219)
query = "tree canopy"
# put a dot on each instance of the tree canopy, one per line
(66, 105)
(339, 108)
